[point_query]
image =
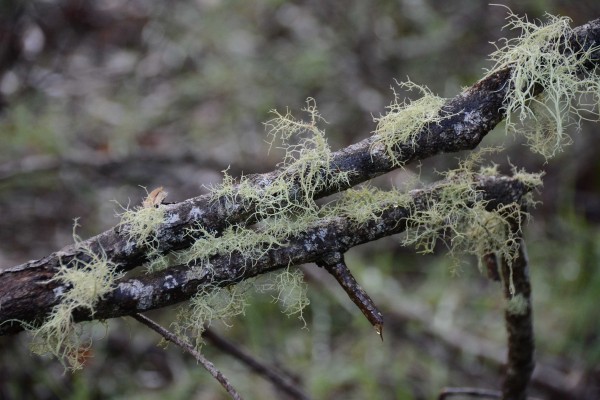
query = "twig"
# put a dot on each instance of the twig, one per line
(334, 264)
(285, 384)
(471, 392)
(519, 326)
(218, 375)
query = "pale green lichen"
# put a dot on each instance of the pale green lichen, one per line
(456, 214)
(223, 304)
(81, 285)
(290, 291)
(540, 58)
(248, 242)
(141, 223)
(517, 305)
(405, 119)
(366, 203)
(208, 305)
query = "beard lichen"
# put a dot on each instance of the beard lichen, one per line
(405, 119)
(208, 305)
(142, 222)
(291, 291)
(213, 303)
(543, 58)
(456, 214)
(81, 284)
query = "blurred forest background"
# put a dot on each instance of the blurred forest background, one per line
(98, 98)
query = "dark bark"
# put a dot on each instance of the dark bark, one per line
(335, 264)
(519, 324)
(177, 284)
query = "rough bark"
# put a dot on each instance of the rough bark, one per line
(178, 283)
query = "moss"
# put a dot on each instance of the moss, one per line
(540, 58)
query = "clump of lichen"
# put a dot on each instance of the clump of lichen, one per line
(456, 214)
(517, 305)
(543, 58)
(405, 119)
(214, 303)
(141, 222)
(304, 171)
(208, 305)
(290, 291)
(81, 284)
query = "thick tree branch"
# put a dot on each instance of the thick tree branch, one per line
(179, 283)
(472, 114)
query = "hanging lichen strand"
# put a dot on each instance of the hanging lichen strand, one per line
(542, 58)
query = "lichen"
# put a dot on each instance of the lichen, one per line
(142, 222)
(405, 119)
(517, 305)
(208, 305)
(542, 58)
(85, 281)
(456, 215)
(290, 291)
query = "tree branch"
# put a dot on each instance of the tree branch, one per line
(471, 115)
(519, 325)
(179, 283)
(209, 366)
(280, 381)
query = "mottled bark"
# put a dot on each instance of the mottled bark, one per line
(179, 283)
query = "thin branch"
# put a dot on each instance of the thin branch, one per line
(283, 383)
(519, 325)
(210, 367)
(446, 393)
(334, 264)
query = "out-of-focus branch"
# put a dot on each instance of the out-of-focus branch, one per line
(209, 366)
(281, 382)
(519, 325)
